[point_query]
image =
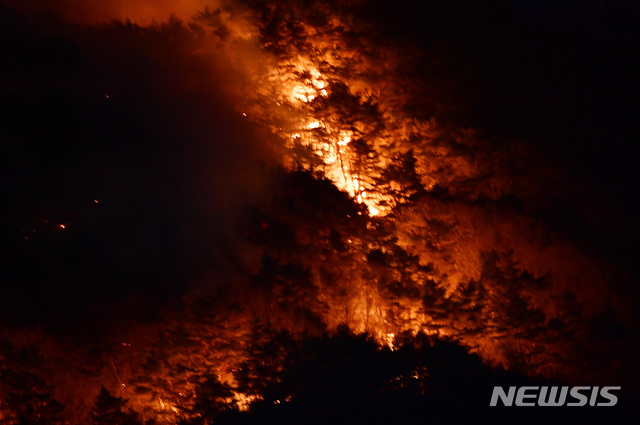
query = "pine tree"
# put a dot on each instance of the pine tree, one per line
(111, 410)
(213, 398)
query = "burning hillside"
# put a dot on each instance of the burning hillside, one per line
(233, 208)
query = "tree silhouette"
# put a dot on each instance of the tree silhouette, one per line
(401, 178)
(213, 398)
(261, 374)
(111, 410)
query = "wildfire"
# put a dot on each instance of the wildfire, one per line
(243, 401)
(390, 339)
(345, 112)
(328, 141)
(427, 258)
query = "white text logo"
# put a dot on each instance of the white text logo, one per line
(554, 396)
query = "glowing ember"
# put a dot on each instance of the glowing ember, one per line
(389, 339)
(345, 138)
(243, 401)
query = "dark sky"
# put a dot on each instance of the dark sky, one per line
(119, 116)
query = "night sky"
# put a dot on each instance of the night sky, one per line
(131, 178)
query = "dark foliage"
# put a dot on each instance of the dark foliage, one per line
(25, 399)
(111, 410)
(346, 378)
